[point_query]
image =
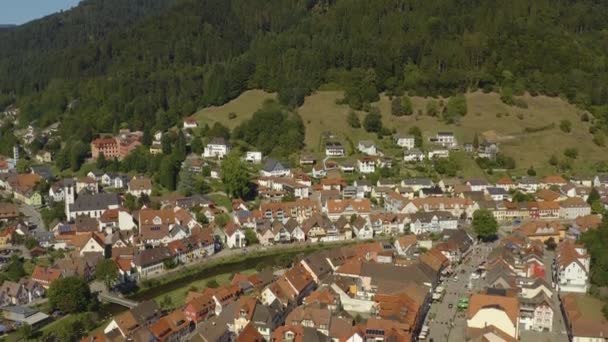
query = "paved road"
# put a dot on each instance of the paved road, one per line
(33, 215)
(445, 322)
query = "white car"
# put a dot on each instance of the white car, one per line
(474, 276)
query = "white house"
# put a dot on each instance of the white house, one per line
(93, 245)
(497, 194)
(273, 168)
(56, 192)
(235, 236)
(334, 149)
(254, 157)
(572, 267)
(367, 147)
(501, 312)
(432, 222)
(413, 155)
(114, 180)
(406, 141)
(190, 122)
(478, 184)
(438, 152)
(445, 139)
(366, 165)
(125, 221)
(573, 207)
(139, 186)
(216, 148)
(536, 310)
(528, 184)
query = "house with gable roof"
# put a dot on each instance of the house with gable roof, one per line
(572, 267)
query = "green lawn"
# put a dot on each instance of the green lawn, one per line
(243, 106)
(178, 296)
(221, 201)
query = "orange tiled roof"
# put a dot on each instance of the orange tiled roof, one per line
(509, 305)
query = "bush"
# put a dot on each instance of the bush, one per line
(432, 108)
(585, 117)
(565, 126)
(212, 283)
(553, 160)
(520, 103)
(231, 115)
(373, 121)
(571, 152)
(599, 140)
(353, 120)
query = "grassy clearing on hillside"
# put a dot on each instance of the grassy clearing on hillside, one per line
(320, 114)
(243, 106)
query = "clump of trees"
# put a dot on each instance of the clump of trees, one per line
(455, 108)
(71, 295)
(272, 130)
(484, 224)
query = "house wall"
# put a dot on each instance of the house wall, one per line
(495, 317)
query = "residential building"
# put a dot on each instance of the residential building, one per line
(445, 139)
(406, 141)
(572, 267)
(366, 165)
(432, 222)
(334, 149)
(367, 147)
(254, 157)
(573, 207)
(139, 186)
(216, 148)
(499, 311)
(413, 155)
(273, 168)
(116, 147)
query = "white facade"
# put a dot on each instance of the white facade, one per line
(216, 150)
(572, 212)
(574, 277)
(496, 317)
(125, 221)
(367, 147)
(439, 153)
(366, 166)
(334, 150)
(236, 240)
(445, 139)
(407, 142)
(436, 224)
(254, 157)
(92, 246)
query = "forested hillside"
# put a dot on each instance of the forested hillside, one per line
(125, 62)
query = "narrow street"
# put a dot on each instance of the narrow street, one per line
(33, 216)
(445, 322)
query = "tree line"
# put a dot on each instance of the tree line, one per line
(125, 64)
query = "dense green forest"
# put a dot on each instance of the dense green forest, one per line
(146, 63)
